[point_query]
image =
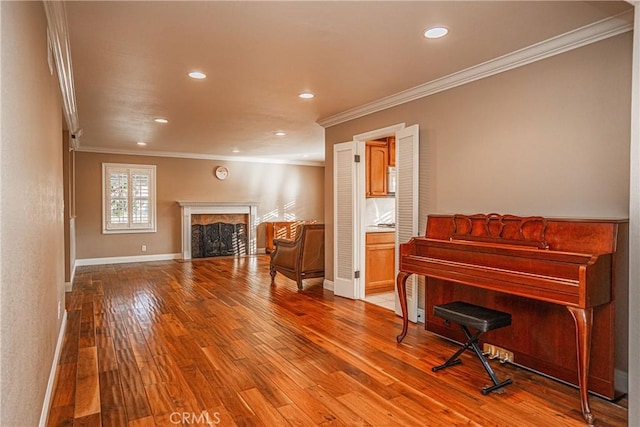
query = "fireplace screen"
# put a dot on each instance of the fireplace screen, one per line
(218, 239)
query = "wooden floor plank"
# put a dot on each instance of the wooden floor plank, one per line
(112, 406)
(88, 385)
(264, 411)
(148, 343)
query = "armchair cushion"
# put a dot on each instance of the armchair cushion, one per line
(301, 258)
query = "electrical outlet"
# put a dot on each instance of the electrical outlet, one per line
(59, 309)
(144, 248)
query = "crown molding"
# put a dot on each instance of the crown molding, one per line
(574, 39)
(100, 150)
(60, 50)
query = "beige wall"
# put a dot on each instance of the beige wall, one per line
(31, 220)
(282, 192)
(550, 138)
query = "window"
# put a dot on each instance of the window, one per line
(128, 198)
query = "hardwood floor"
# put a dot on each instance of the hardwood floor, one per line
(210, 342)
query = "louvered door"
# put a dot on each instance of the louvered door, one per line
(407, 162)
(345, 208)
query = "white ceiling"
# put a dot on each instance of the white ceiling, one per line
(131, 59)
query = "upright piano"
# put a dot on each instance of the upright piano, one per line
(534, 268)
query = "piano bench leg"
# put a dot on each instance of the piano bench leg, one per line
(489, 389)
(453, 360)
(472, 343)
(446, 365)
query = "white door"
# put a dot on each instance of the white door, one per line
(407, 174)
(346, 170)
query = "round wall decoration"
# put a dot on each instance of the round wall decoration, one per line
(221, 172)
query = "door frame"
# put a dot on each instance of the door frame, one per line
(361, 196)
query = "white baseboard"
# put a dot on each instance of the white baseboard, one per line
(621, 381)
(421, 318)
(126, 259)
(46, 405)
(328, 285)
(68, 286)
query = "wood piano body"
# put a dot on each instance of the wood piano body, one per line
(556, 277)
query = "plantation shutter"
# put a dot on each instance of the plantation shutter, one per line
(407, 163)
(344, 192)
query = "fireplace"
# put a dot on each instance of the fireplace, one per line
(218, 229)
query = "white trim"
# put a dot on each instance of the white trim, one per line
(148, 153)
(574, 39)
(223, 207)
(634, 232)
(194, 208)
(379, 133)
(328, 285)
(359, 242)
(130, 169)
(126, 259)
(621, 381)
(46, 405)
(59, 47)
(68, 286)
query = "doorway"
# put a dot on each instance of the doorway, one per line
(350, 203)
(379, 214)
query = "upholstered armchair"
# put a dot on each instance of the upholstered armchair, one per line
(301, 258)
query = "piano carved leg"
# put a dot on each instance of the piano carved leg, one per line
(401, 285)
(583, 319)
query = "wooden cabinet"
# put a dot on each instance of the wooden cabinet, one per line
(380, 261)
(377, 161)
(391, 143)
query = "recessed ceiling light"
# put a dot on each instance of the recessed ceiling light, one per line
(197, 75)
(161, 120)
(435, 32)
(235, 150)
(140, 143)
(281, 133)
(306, 95)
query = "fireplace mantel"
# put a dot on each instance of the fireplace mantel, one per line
(189, 208)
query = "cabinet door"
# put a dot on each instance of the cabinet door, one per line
(378, 162)
(392, 150)
(380, 252)
(367, 170)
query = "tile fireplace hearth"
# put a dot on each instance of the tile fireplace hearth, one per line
(217, 240)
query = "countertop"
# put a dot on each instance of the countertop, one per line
(377, 229)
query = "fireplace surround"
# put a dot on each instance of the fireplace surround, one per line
(189, 208)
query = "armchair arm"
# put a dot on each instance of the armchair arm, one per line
(285, 254)
(284, 243)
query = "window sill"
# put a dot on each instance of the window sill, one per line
(129, 231)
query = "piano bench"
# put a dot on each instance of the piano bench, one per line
(481, 319)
